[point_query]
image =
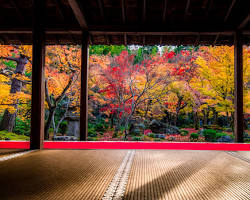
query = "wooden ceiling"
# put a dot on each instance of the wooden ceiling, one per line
(144, 22)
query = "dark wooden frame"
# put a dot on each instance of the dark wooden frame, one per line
(238, 87)
(84, 87)
(37, 109)
(37, 113)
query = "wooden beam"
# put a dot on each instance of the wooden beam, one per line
(197, 40)
(187, 7)
(19, 13)
(143, 40)
(107, 39)
(144, 8)
(121, 32)
(216, 38)
(123, 12)
(38, 59)
(210, 5)
(100, 4)
(204, 5)
(62, 12)
(59, 8)
(78, 14)
(125, 39)
(244, 22)
(238, 87)
(110, 32)
(90, 40)
(164, 11)
(84, 87)
(161, 38)
(229, 10)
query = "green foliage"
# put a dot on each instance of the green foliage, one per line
(157, 139)
(92, 132)
(184, 132)
(210, 135)
(22, 127)
(145, 51)
(219, 135)
(12, 136)
(194, 136)
(92, 139)
(63, 127)
(106, 49)
(215, 127)
(51, 130)
(10, 64)
(152, 135)
(99, 126)
(136, 138)
(115, 135)
(122, 128)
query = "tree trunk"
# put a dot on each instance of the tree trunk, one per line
(196, 121)
(112, 120)
(49, 122)
(176, 117)
(205, 117)
(8, 121)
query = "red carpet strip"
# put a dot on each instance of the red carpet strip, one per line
(131, 145)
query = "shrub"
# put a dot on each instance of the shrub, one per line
(210, 135)
(157, 139)
(92, 139)
(22, 127)
(215, 127)
(135, 138)
(99, 127)
(92, 132)
(152, 135)
(63, 127)
(245, 135)
(219, 135)
(115, 135)
(184, 132)
(194, 136)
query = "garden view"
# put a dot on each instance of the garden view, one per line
(135, 93)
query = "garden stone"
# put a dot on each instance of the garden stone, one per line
(65, 138)
(136, 129)
(225, 138)
(245, 135)
(201, 132)
(161, 136)
(172, 138)
(162, 128)
(73, 128)
(229, 130)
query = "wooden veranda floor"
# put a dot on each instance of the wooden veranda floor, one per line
(125, 174)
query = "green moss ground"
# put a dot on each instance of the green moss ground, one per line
(12, 136)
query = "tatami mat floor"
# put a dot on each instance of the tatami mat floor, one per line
(154, 174)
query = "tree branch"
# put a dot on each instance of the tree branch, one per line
(47, 94)
(9, 58)
(61, 96)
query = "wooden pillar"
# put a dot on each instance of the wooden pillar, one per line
(37, 110)
(238, 87)
(84, 87)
